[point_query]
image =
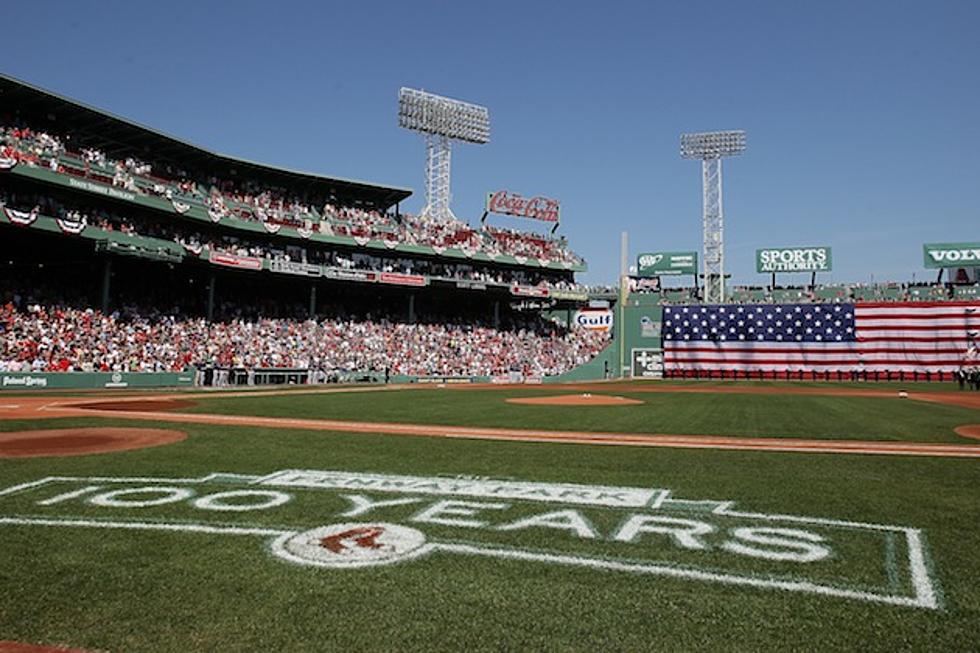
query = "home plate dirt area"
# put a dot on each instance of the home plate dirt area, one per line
(82, 441)
(18, 647)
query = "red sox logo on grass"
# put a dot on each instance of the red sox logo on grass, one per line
(351, 545)
(365, 537)
(366, 520)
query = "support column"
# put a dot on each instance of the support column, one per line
(211, 283)
(313, 300)
(713, 227)
(496, 314)
(411, 308)
(106, 284)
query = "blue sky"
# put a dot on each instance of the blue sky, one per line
(862, 117)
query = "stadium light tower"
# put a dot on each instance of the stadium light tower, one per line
(710, 147)
(441, 120)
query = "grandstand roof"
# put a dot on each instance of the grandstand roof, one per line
(97, 128)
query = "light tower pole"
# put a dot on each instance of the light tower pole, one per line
(710, 147)
(441, 120)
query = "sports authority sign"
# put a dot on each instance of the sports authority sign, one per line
(951, 255)
(793, 259)
(541, 208)
(342, 520)
(655, 264)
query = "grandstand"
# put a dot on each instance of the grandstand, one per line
(130, 251)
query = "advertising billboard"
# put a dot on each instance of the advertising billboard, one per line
(793, 259)
(951, 255)
(655, 264)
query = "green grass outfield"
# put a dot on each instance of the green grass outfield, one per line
(752, 415)
(153, 590)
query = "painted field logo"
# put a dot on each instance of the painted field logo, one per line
(351, 545)
(347, 520)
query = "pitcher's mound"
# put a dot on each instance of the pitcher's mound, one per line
(575, 400)
(969, 431)
(82, 441)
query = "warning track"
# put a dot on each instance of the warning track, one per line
(157, 408)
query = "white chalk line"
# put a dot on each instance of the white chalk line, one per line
(144, 526)
(922, 599)
(725, 579)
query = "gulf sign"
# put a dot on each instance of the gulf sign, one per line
(793, 259)
(594, 320)
(951, 255)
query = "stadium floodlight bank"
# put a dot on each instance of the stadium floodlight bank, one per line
(441, 116)
(710, 148)
(712, 145)
(441, 120)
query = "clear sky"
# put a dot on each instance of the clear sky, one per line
(863, 118)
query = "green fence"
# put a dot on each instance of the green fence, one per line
(90, 380)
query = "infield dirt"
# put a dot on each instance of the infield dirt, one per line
(160, 407)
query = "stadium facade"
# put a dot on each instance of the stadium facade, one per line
(119, 218)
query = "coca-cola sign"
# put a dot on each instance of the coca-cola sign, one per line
(536, 208)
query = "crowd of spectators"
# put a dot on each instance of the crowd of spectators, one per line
(194, 240)
(62, 336)
(246, 200)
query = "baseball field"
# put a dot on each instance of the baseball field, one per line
(610, 516)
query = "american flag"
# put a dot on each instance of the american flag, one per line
(903, 336)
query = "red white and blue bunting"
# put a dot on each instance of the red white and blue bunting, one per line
(7, 163)
(272, 227)
(215, 214)
(71, 226)
(362, 240)
(180, 207)
(304, 233)
(194, 248)
(23, 218)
